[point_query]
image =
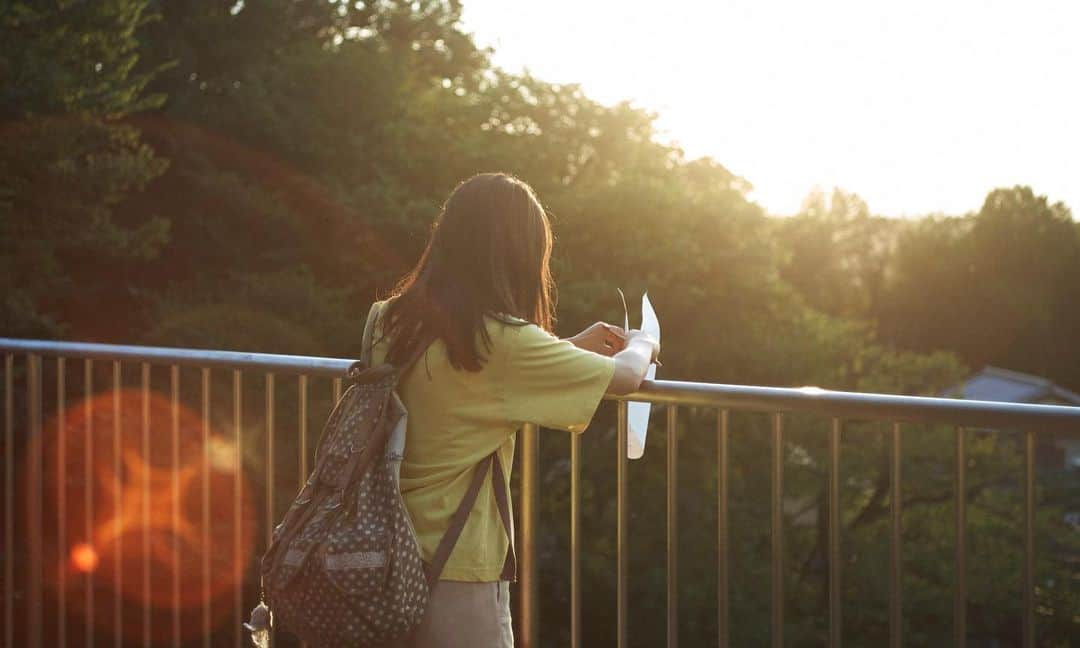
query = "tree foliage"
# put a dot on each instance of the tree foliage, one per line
(67, 74)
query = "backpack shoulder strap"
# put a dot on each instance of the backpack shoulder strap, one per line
(498, 484)
(461, 515)
(369, 330)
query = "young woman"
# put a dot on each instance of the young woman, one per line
(481, 300)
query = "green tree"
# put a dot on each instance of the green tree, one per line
(998, 286)
(1025, 262)
(838, 255)
(66, 78)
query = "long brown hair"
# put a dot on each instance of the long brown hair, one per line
(489, 253)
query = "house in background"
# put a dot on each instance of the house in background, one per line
(1054, 450)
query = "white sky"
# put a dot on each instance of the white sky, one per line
(917, 106)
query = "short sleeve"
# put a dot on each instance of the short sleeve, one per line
(552, 382)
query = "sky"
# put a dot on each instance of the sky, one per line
(918, 107)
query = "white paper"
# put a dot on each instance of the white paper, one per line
(637, 416)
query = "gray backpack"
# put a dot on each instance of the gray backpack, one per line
(344, 566)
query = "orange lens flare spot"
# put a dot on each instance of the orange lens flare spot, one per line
(84, 558)
(162, 521)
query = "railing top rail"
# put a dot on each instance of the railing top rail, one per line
(311, 365)
(841, 404)
(863, 406)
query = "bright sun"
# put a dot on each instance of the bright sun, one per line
(917, 107)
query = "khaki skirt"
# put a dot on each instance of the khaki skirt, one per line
(466, 615)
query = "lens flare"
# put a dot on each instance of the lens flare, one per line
(84, 558)
(151, 519)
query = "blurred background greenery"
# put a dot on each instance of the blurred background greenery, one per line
(250, 176)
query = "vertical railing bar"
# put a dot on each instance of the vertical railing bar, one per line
(35, 617)
(174, 389)
(896, 619)
(147, 627)
(530, 608)
(36, 521)
(118, 576)
(303, 397)
(270, 469)
(672, 527)
(723, 604)
(622, 519)
(205, 392)
(575, 540)
(960, 590)
(777, 606)
(88, 488)
(834, 522)
(238, 513)
(336, 395)
(61, 503)
(269, 457)
(1029, 540)
(303, 429)
(9, 500)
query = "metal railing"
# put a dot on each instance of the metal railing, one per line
(29, 625)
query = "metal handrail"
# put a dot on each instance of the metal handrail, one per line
(845, 404)
(311, 365)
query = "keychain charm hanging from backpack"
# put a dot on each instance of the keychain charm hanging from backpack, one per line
(259, 625)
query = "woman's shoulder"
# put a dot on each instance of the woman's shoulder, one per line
(505, 318)
(510, 336)
(513, 327)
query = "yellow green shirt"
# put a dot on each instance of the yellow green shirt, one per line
(458, 417)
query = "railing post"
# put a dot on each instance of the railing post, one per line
(88, 494)
(204, 391)
(672, 527)
(575, 540)
(622, 518)
(835, 526)
(777, 530)
(238, 506)
(9, 501)
(896, 620)
(303, 406)
(722, 603)
(61, 502)
(1028, 640)
(34, 480)
(529, 627)
(960, 587)
(269, 425)
(118, 542)
(146, 454)
(174, 394)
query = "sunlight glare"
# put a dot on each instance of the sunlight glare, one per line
(917, 107)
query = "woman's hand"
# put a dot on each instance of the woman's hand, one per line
(635, 334)
(601, 337)
(632, 363)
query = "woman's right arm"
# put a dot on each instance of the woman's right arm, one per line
(633, 362)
